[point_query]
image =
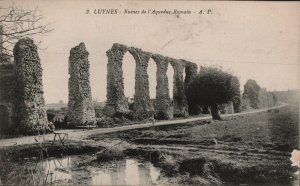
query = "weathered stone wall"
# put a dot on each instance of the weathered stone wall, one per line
(191, 70)
(116, 101)
(179, 98)
(163, 107)
(30, 115)
(80, 106)
(142, 104)
(265, 99)
(246, 104)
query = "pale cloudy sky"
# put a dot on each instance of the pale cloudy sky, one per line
(257, 40)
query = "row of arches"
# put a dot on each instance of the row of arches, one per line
(129, 77)
(154, 83)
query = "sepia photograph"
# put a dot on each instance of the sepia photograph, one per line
(97, 92)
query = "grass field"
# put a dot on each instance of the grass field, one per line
(249, 149)
(274, 130)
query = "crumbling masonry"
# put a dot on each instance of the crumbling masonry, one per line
(164, 107)
(179, 97)
(30, 115)
(191, 70)
(80, 106)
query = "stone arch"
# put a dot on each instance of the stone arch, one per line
(116, 100)
(129, 67)
(142, 104)
(151, 70)
(170, 76)
(164, 108)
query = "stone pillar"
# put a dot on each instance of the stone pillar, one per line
(190, 74)
(80, 106)
(179, 97)
(142, 104)
(163, 107)
(30, 115)
(116, 101)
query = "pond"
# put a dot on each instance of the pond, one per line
(84, 169)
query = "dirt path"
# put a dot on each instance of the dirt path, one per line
(79, 134)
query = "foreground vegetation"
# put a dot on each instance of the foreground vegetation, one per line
(252, 149)
(246, 149)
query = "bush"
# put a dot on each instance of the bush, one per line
(105, 121)
(111, 153)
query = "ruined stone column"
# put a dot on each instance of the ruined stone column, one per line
(142, 104)
(179, 98)
(30, 115)
(190, 74)
(163, 107)
(116, 101)
(80, 106)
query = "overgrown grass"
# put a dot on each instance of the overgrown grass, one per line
(273, 130)
(249, 149)
(186, 168)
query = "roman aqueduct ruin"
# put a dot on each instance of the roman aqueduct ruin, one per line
(22, 105)
(164, 107)
(21, 96)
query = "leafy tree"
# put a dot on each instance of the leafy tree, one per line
(251, 91)
(212, 86)
(17, 23)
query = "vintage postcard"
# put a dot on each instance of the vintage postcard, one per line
(149, 92)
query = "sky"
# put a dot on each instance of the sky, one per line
(253, 40)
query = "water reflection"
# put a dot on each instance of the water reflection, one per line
(78, 170)
(57, 169)
(128, 172)
(102, 178)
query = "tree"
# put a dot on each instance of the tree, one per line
(251, 91)
(17, 23)
(212, 86)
